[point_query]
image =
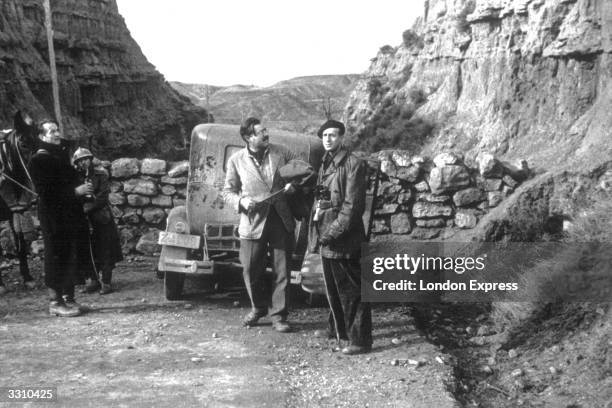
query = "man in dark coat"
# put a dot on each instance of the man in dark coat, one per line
(254, 188)
(105, 244)
(337, 232)
(62, 220)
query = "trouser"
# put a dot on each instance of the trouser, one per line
(350, 318)
(278, 242)
(60, 268)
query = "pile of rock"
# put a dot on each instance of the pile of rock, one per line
(433, 198)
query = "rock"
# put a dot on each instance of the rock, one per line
(116, 198)
(488, 165)
(125, 167)
(116, 186)
(175, 181)
(136, 200)
(468, 196)
(37, 247)
(168, 190)
(404, 198)
(448, 178)
(140, 186)
(433, 198)
(162, 201)
(512, 353)
(153, 167)
(410, 174)
(491, 184)
(506, 191)
(509, 181)
(379, 226)
(464, 219)
(483, 330)
(432, 223)
(517, 373)
(396, 341)
(518, 170)
(446, 159)
(130, 216)
(117, 213)
(387, 209)
(421, 187)
(553, 370)
(494, 198)
(154, 215)
(400, 223)
(425, 233)
(147, 244)
(430, 210)
(178, 202)
(178, 169)
(401, 158)
(417, 161)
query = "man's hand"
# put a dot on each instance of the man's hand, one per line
(289, 189)
(248, 204)
(84, 189)
(325, 240)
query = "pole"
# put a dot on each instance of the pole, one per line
(54, 83)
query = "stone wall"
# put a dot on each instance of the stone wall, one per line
(433, 199)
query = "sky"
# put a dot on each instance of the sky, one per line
(261, 42)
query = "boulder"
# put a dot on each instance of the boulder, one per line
(421, 187)
(491, 184)
(140, 186)
(433, 223)
(116, 186)
(509, 181)
(433, 198)
(179, 169)
(168, 190)
(401, 158)
(379, 226)
(136, 200)
(162, 201)
(488, 165)
(404, 198)
(494, 198)
(178, 202)
(446, 159)
(430, 210)
(468, 196)
(464, 219)
(130, 216)
(400, 223)
(147, 244)
(448, 178)
(154, 215)
(175, 181)
(518, 170)
(124, 167)
(116, 198)
(153, 167)
(387, 209)
(409, 174)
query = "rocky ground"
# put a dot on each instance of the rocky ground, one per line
(134, 348)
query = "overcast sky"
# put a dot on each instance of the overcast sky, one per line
(260, 42)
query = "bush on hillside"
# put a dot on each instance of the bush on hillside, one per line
(412, 40)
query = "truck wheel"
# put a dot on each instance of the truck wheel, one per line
(173, 283)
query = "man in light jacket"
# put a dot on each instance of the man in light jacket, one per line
(337, 232)
(254, 188)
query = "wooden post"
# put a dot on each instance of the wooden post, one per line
(54, 83)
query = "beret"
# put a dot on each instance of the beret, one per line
(331, 124)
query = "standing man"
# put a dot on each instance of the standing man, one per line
(62, 220)
(337, 232)
(254, 188)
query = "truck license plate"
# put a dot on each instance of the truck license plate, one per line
(179, 240)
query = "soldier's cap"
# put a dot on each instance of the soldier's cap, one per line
(81, 153)
(331, 124)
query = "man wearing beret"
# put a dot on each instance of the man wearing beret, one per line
(337, 232)
(266, 224)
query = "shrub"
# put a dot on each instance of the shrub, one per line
(387, 49)
(412, 39)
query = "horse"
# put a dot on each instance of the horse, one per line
(17, 146)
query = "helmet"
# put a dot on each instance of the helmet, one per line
(81, 153)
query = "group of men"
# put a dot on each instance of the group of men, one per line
(79, 233)
(267, 228)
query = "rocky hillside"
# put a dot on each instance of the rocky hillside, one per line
(111, 96)
(296, 104)
(519, 78)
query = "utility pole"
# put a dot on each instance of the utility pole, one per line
(54, 83)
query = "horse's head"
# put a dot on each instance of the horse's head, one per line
(27, 133)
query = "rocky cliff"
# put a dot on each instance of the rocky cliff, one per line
(111, 96)
(523, 79)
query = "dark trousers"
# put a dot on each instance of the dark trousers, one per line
(350, 318)
(60, 265)
(278, 242)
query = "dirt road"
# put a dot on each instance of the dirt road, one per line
(135, 349)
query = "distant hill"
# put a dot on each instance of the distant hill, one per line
(296, 104)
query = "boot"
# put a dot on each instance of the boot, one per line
(58, 308)
(106, 289)
(91, 286)
(72, 304)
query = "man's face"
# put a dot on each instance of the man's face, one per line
(331, 139)
(259, 140)
(51, 134)
(83, 164)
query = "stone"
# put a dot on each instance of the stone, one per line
(401, 158)
(117, 213)
(448, 178)
(136, 200)
(405, 197)
(430, 210)
(400, 224)
(388, 167)
(154, 215)
(421, 187)
(491, 184)
(175, 181)
(409, 174)
(386, 209)
(130, 216)
(116, 198)
(518, 170)
(506, 191)
(465, 220)
(162, 201)
(468, 196)
(140, 186)
(488, 165)
(116, 186)
(417, 161)
(168, 190)
(147, 244)
(425, 233)
(379, 226)
(388, 190)
(494, 198)
(433, 198)
(179, 169)
(433, 223)
(124, 168)
(445, 159)
(512, 353)
(153, 167)
(509, 181)
(37, 247)
(176, 202)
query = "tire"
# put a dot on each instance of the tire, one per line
(173, 285)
